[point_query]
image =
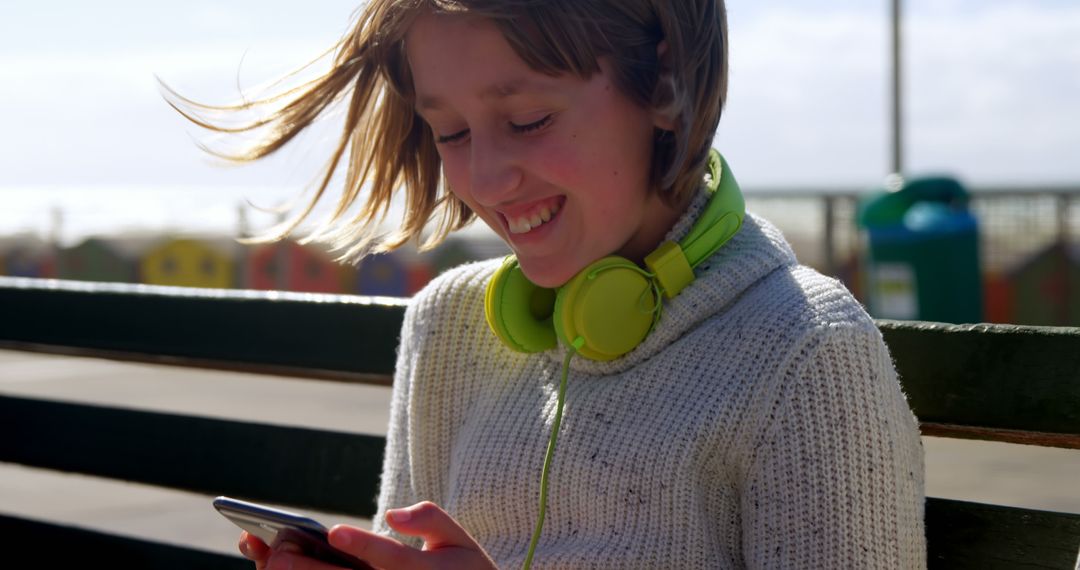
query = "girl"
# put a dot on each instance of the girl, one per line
(758, 424)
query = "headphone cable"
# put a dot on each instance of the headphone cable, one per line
(551, 452)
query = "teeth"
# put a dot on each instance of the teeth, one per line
(519, 227)
(526, 224)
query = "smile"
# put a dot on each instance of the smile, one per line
(536, 216)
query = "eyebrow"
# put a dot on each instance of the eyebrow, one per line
(496, 91)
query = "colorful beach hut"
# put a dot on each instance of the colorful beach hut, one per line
(104, 259)
(27, 255)
(289, 266)
(459, 249)
(383, 274)
(192, 262)
(1046, 287)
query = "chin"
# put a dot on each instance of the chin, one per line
(547, 277)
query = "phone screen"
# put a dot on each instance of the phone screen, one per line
(275, 526)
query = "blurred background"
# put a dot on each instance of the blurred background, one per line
(101, 180)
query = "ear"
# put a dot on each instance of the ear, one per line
(665, 110)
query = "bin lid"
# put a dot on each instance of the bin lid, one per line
(885, 208)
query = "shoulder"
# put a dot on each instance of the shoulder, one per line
(797, 327)
(817, 352)
(831, 347)
(825, 336)
(444, 322)
(455, 294)
(800, 301)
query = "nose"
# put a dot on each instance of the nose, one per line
(494, 170)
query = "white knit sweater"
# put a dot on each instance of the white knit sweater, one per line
(760, 425)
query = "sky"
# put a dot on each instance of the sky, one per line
(992, 96)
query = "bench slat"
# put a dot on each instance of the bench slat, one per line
(58, 546)
(991, 376)
(1021, 437)
(255, 329)
(321, 470)
(963, 535)
(1001, 377)
(339, 472)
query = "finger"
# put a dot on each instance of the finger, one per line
(253, 548)
(377, 550)
(287, 560)
(429, 522)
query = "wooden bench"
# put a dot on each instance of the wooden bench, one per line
(991, 382)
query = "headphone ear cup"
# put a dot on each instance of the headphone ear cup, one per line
(610, 306)
(519, 311)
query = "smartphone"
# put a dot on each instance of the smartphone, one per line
(274, 526)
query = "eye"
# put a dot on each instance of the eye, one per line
(452, 138)
(531, 127)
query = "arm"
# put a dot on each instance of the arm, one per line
(407, 532)
(396, 487)
(836, 480)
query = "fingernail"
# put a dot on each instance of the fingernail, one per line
(399, 515)
(340, 538)
(290, 547)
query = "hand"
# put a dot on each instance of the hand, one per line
(446, 545)
(254, 549)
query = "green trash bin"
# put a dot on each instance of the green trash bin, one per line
(923, 255)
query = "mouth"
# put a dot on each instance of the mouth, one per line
(523, 220)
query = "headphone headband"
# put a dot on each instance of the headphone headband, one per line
(726, 206)
(673, 264)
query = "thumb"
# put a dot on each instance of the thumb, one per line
(429, 522)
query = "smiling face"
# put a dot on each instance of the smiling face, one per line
(558, 166)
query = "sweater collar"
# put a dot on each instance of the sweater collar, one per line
(755, 251)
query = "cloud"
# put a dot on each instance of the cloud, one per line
(806, 91)
(998, 92)
(992, 94)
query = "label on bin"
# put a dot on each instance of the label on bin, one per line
(893, 291)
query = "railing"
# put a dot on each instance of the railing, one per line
(1017, 227)
(1015, 222)
(1002, 383)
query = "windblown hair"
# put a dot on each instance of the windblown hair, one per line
(388, 146)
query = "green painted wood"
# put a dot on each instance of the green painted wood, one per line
(962, 535)
(321, 470)
(314, 331)
(49, 545)
(995, 376)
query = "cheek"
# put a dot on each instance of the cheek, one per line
(564, 169)
(457, 176)
(570, 161)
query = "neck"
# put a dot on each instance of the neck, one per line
(660, 221)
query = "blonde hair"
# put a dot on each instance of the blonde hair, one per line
(390, 147)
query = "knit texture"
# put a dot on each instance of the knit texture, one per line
(760, 425)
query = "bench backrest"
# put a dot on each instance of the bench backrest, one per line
(993, 382)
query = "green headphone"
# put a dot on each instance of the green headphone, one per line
(609, 307)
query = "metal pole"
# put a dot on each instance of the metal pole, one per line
(897, 92)
(830, 236)
(282, 257)
(1063, 205)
